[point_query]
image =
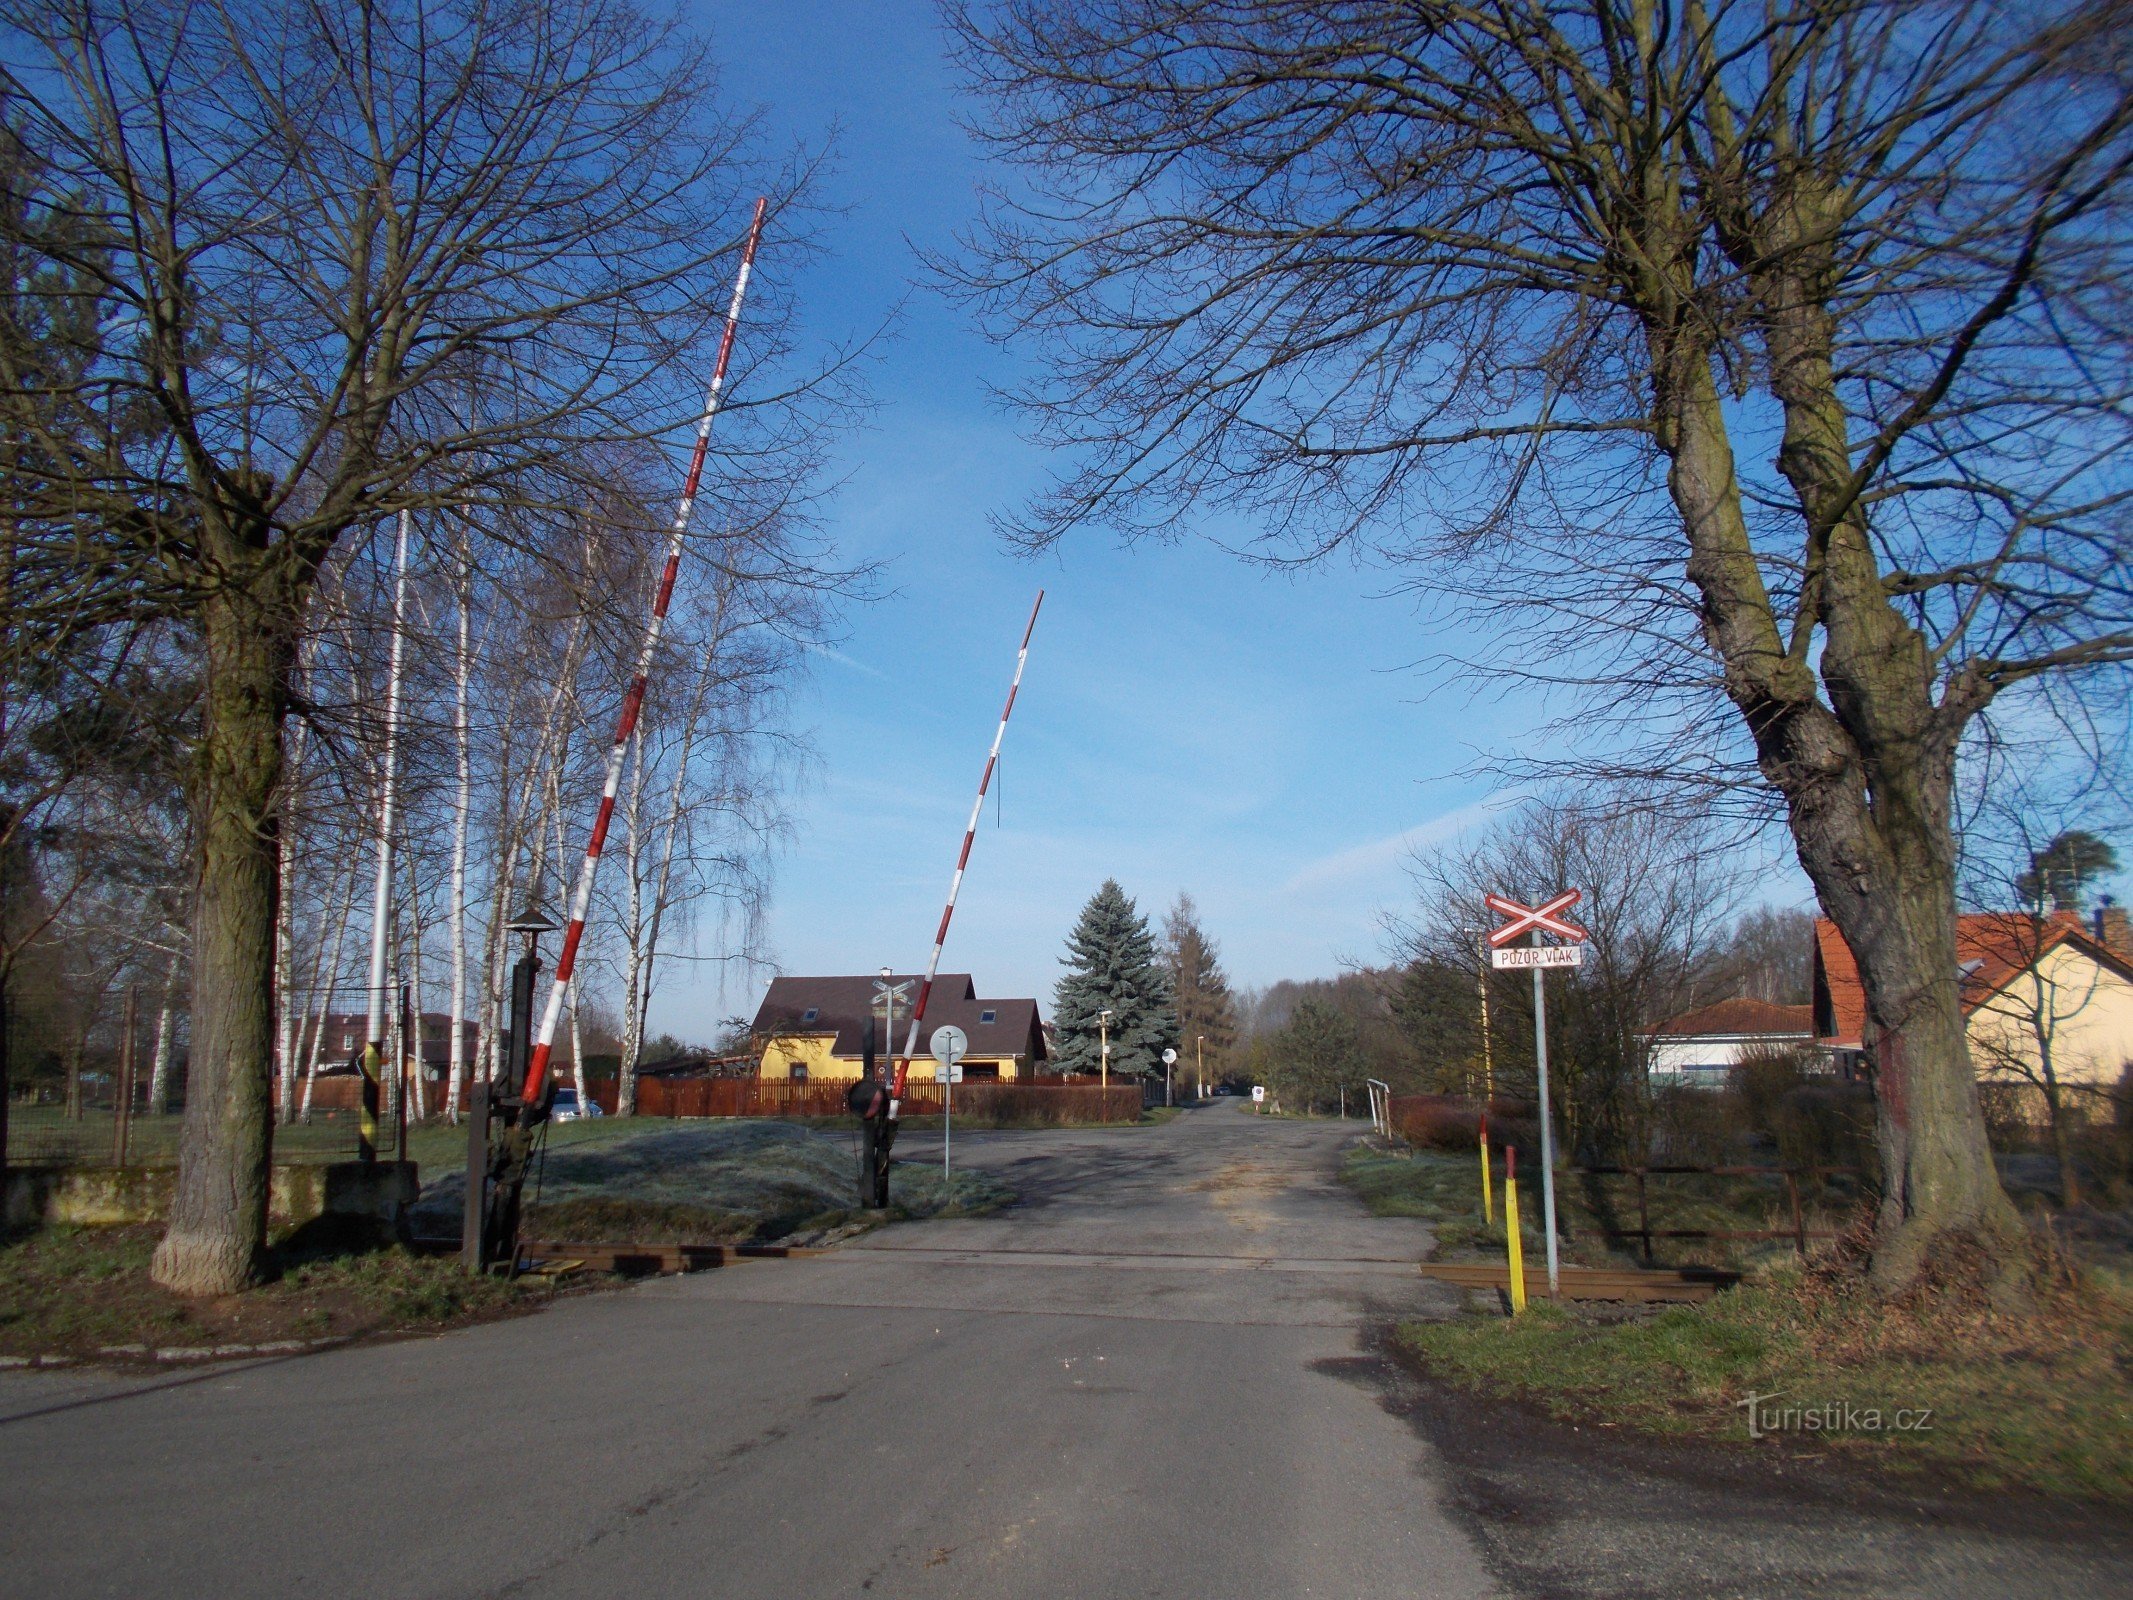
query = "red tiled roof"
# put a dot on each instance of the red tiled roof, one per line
(1738, 1017)
(1991, 948)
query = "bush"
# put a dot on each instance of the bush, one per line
(1693, 1127)
(1804, 1118)
(1452, 1122)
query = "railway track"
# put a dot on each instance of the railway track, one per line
(1687, 1284)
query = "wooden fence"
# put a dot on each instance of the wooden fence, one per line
(1018, 1103)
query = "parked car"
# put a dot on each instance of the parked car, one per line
(567, 1109)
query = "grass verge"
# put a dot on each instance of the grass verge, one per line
(713, 1182)
(1937, 1382)
(82, 1293)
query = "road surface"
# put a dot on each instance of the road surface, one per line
(1159, 1374)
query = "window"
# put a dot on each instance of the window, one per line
(799, 1072)
(988, 1016)
(810, 1013)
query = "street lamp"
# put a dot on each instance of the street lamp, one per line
(1199, 1064)
(1103, 1033)
(529, 924)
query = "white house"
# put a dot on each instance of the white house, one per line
(1702, 1046)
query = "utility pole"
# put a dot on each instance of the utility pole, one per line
(1488, 1063)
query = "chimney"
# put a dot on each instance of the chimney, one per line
(2112, 930)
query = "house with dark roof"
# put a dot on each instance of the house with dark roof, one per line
(811, 1028)
(1704, 1045)
(2029, 984)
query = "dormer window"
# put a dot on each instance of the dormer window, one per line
(988, 1016)
(811, 1013)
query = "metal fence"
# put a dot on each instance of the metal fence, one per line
(1846, 1186)
(46, 1136)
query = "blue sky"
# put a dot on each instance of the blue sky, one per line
(1186, 722)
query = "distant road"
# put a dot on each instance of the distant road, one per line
(1159, 1374)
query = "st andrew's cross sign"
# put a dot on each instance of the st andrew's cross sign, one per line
(1543, 918)
(1519, 920)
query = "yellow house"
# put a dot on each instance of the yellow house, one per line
(2037, 991)
(813, 1028)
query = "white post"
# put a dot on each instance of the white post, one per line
(947, 1114)
(1547, 1121)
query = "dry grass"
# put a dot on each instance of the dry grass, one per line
(2039, 1399)
(79, 1292)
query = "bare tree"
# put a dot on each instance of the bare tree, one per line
(1783, 348)
(1658, 889)
(307, 228)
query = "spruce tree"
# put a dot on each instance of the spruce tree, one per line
(1319, 1054)
(1206, 1011)
(1112, 965)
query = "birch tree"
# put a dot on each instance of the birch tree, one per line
(306, 224)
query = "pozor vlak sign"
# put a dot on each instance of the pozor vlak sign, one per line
(1533, 924)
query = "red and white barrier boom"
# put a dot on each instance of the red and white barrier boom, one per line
(962, 860)
(633, 700)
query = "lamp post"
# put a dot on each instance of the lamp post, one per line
(1103, 1034)
(489, 1225)
(1199, 1066)
(531, 922)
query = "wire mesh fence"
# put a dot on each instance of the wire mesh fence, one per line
(47, 1136)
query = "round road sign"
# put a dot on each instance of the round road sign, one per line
(949, 1044)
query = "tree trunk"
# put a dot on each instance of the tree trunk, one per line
(462, 804)
(2055, 1105)
(218, 1214)
(1937, 1170)
(159, 1074)
(417, 1102)
(1867, 781)
(323, 995)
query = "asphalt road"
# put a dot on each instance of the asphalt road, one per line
(1134, 1382)
(1161, 1373)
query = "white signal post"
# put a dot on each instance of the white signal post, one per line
(950, 1045)
(1531, 920)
